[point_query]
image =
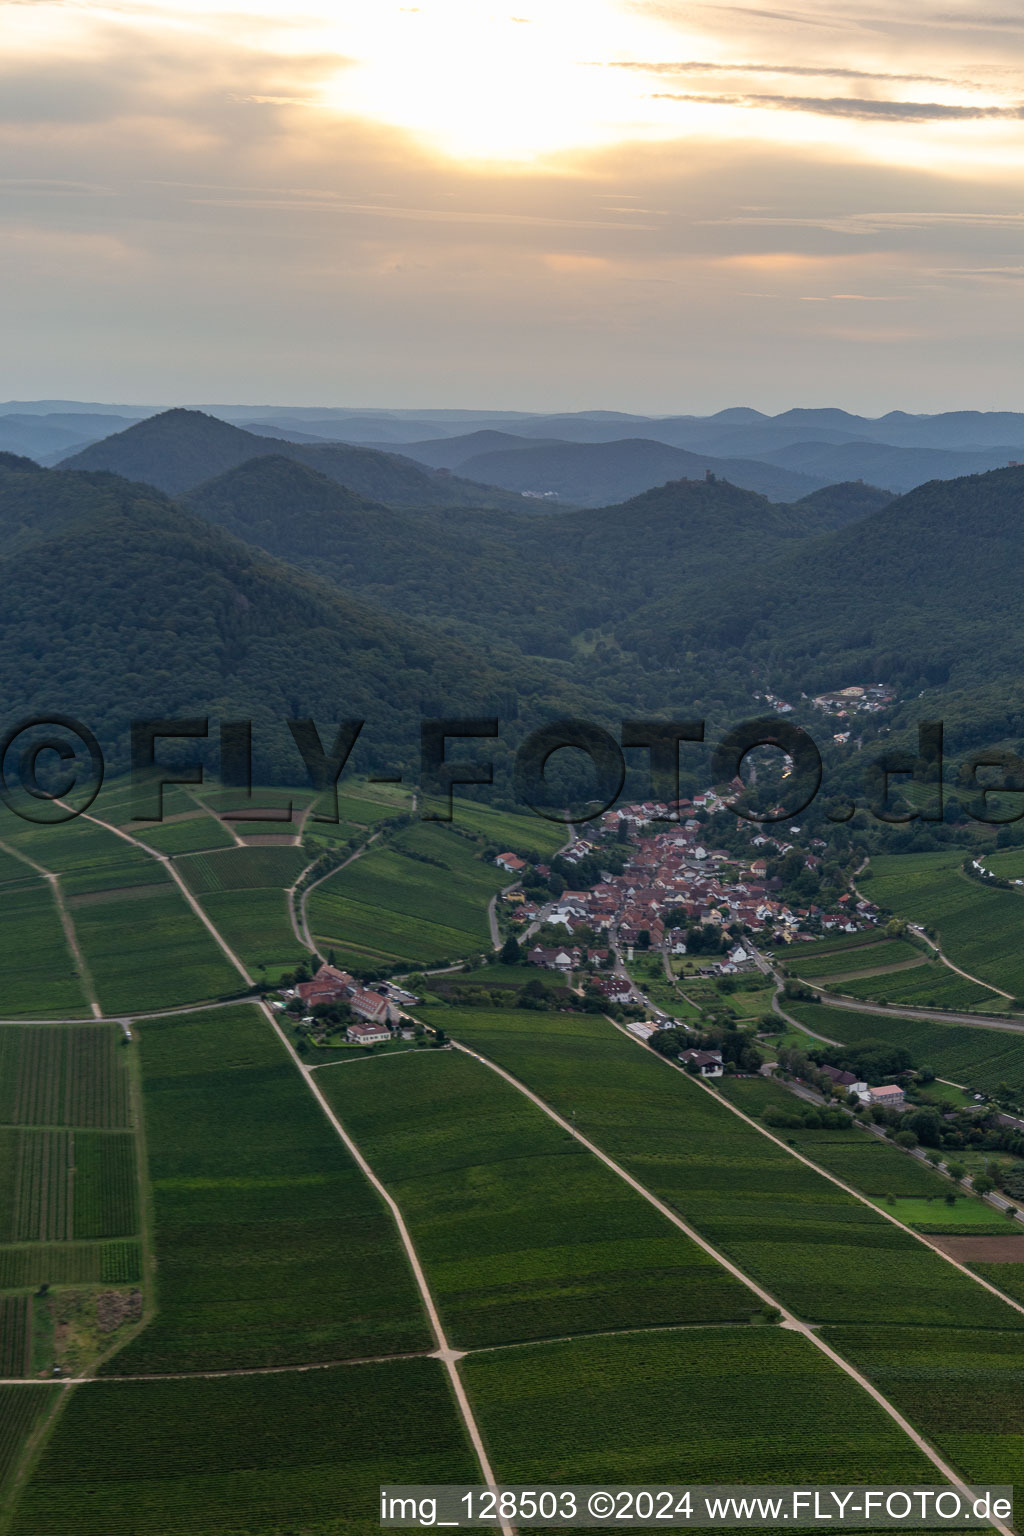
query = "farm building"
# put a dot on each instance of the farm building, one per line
(367, 1034)
(327, 986)
(373, 1008)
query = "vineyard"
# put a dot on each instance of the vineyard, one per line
(70, 1075)
(961, 1387)
(106, 1200)
(151, 954)
(42, 1208)
(978, 926)
(37, 973)
(15, 1336)
(243, 869)
(256, 925)
(823, 1253)
(932, 985)
(271, 1246)
(423, 897)
(760, 1406)
(979, 1057)
(847, 961)
(68, 1264)
(21, 1410)
(197, 834)
(281, 1454)
(475, 1168)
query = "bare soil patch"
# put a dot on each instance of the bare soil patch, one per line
(983, 1250)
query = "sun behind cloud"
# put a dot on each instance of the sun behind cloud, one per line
(479, 82)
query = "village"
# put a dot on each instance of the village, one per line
(675, 885)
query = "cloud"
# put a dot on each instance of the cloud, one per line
(865, 109)
(822, 71)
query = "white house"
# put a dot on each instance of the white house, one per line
(367, 1034)
(708, 1063)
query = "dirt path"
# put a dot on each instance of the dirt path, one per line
(168, 864)
(84, 973)
(303, 931)
(444, 1352)
(66, 922)
(790, 1321)
(762, 1130)
(209, 811)
(919, 931)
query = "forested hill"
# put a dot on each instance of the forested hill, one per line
(925, 594)
(118, 603)
(179, 450)
(536, 582)
(847, 502)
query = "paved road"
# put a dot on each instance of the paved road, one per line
(937, 1016)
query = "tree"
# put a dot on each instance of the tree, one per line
(982, 1184)
(927, 1126)
(510, 951)
(643, 939)
(956, 1171)
(905, 1139)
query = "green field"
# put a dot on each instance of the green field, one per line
(1008, 1277)
(271, 1247)
(22, 1410)
(969, 1216)
(521, 834)
(175, 837)
(68, 847)
(831, 944)
(754, 1405)
(1007, 864)
(932, 985)
(961, 1387)
(980, 1057)
(38, 976)
(820, 1251)
(422, 898)
(31, 1264)
(68, 1170)
(242, 869)
(151, 954)
(522, 1232)
(130, 870)
(296, 1452)
(14, 871)
(67, 1076)
(257, 927)
(870, 1165)
(978, 927)
(846, 961)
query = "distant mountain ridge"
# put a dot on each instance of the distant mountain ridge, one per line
(602, 474)
(180, 449)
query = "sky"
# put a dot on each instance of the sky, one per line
(636, 205)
